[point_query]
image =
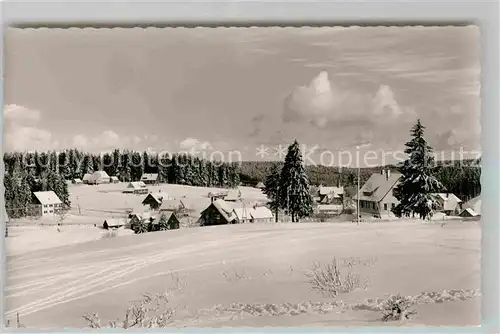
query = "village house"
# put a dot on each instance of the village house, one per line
(261, 214)
(243, 214)
(136, 188)
(114, 223)
(233, 195)
(114, 179)
(218, 212)
(173, 222)
(448, 204)
(217, 195)
(100, 177)
(375, 197)
(260, 185)
(150, 178)
(331, 195)
(172, 205)
(77, 181)
(472, 208)
(87, 178)
(154, 200)
(48, 203)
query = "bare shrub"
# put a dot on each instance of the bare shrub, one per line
(327, 279)
(150, 312)
(397, 308)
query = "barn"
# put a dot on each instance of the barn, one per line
(154, 200)
(219, 212)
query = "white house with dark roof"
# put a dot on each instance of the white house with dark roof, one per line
(136, 187)
(375, 197)
(48, 201)
(150, 178)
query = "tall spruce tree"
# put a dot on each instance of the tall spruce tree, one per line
(417, 183)
(271, 185)
(293, 189)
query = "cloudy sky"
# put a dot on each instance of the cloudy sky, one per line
(237, 89)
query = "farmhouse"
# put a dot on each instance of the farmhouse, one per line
(233, 195)
(154, 200)
(261, 214)
(114, 179)
(219, 195)
(331, 195)
(100, 177)
(173, 222)
(48, 202)
(87, 178)
(136, 188)
(243, 214)
(472, 206)
(151, 178)
(218, 212)
(375, 197)
(77, 181)
(172, 205)
(447, 203)
(113, 223)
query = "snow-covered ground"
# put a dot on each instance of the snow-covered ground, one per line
(208, 269)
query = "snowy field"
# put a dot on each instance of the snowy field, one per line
(259, 268)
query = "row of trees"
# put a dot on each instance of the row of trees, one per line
(287, 184)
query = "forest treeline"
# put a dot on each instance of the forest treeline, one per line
(26, 173)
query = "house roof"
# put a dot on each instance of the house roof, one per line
(149, 177)
(474, 204)
(233, 194)
(448, 196)
(100, 174)
(47, 197)
(87, 177)
(243, 213)
(158, 197)
(469, 212)
(225, 209)
(136, 185)
(260, 185)
(77, 180)
(115, 221)
(378, 187)
(336, 191)
(261, 212)
(171, 205)
(114, 178)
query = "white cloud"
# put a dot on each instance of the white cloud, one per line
(326, 106)
(194, 144)
(21, 132)
(16, 113)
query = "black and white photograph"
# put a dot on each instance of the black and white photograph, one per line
(217, 177)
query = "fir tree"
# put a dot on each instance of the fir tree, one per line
(417, 183)
(293, 189)
(271, 184)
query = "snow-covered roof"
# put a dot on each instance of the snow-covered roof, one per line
(261, 212)
(136, 185)
(149, 177)
(243, 213)
(100, 174)
(47, 197)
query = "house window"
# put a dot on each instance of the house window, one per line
(50, 205)
(45, 205)
(385, 206)
(393, 205)
(45, 212)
